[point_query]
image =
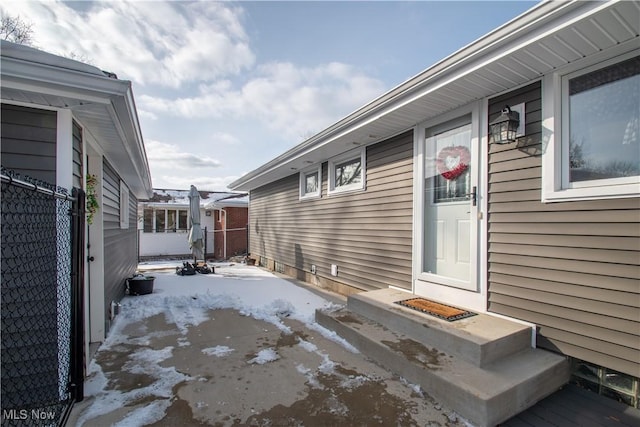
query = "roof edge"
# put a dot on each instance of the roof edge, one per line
(513, 28)
(43, 71)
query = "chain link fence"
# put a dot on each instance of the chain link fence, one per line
(36, 302)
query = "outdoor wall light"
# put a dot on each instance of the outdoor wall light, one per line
(504, 129)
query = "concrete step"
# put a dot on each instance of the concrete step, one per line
(484, 396)
(480, 340)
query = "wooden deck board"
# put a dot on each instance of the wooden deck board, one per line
(529, 419)
(573, 406)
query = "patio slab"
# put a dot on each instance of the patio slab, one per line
(231, 368)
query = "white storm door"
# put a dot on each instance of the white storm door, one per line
(450, 247)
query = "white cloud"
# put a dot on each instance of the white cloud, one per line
(169, 155)
(146, 114)
(286, 98)
(165, 43)
(201, 51)
(224, 138)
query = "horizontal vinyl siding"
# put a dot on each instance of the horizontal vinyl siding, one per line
(120, 246)
(29, 142)
(77, 155)
(571, 268)
(367, 234)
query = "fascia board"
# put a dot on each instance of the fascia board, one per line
(77, 84)
(163, 205)
(124, 116)
(226, 204)
(136, 158)
(518, 40)
(44, 88)
(31, 54)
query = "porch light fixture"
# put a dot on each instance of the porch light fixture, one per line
(504, 129)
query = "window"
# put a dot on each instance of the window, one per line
(165, 220)
(347, 173)
(147, 220)
(596, 149)
(310, 182)
(124, 206)
(160, 220)
(182, 220)
(171, 220)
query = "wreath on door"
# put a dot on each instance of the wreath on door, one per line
(453, 161)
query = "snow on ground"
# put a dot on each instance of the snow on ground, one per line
(185, 300)
(250, 290)
(140, 377)
(218, 351)
(265, 356)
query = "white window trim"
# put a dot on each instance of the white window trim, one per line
(352, 155)
(124, 206)
(303, 174)
(555, 178)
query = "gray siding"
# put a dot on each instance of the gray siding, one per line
(77, 155)
(29, 142)
(572, 268)
(367, 234)
(120, 246)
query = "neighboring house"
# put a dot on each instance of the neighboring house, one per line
(411, 192)
(61, 121)
(164, 224)
(231, 220)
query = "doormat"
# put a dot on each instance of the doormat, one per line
(441, 311)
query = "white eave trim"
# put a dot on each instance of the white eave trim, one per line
(86, 87)
(50, 78)
(226, 204)
(162, 205)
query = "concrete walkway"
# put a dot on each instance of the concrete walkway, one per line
(233, 369)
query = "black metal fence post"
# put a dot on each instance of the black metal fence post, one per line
(77, 296)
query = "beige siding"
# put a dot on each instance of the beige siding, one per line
(367, 234)
(572, 268)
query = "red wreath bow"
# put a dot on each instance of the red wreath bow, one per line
(453, 161)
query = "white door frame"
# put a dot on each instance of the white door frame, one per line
(94, 276)
(423, 285)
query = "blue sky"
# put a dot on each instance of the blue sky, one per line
(223, 87)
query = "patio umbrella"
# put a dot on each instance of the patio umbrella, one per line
(196, 243)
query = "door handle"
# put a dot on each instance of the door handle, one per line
(473, 196)
(90, 259)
